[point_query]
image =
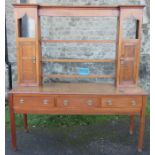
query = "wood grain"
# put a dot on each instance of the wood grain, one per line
(79, 111)
(131, 127)
(28, 49)
(121, 102)
(77, 60)
(25, 122)
(79, 88)
(123, 98)
(142, 125)
(39, 102)
(12, 123)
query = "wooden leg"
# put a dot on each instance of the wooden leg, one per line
(142, 125)
(25, 122)
(12, 123)
(131, 128)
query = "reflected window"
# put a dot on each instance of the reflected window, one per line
(26, 27)
(130, 28)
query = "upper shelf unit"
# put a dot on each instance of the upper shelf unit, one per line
(106, 10)
(29, 58)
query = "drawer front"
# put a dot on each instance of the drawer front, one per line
(78, 102)
(121, 102)
(33, 102)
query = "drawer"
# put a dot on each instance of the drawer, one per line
(121, 102)
(37, 102)
(78, 102)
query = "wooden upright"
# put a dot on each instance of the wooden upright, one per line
(128, 53)
(31, 96)
(28, 49)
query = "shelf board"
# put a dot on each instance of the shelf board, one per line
(77, 76)
(77, 60)
(78, 41)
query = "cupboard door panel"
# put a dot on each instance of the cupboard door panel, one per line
(128, 65)
(27, 63)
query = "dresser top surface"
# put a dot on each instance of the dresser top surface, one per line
(79, 88)
(44, 5)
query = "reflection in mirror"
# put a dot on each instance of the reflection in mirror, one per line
(130, 28)
(26, 27)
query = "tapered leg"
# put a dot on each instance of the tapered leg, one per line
(131, 128)
(25, 122)
(12, 123)
(142, 125)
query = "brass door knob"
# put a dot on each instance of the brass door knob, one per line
(134, 103)
(89, 102)
(33, 59)
(122, 61)
(21, 101)
(45, 101)
(109, 102)
(66, 102)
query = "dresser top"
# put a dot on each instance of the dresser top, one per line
(80, 88)
(72, 6)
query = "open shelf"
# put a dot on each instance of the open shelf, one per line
(77, 60)
(117, 46)
(77, 76)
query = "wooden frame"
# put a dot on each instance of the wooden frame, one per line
(121, 12)
(31, 97)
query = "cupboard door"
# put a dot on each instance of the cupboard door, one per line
(27, 64)
(128, 63)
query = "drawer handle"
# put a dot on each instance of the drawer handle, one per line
(89, 102)
(109, 102)
(21, 101)
(45, 101)
(133, 103)
(66, 102)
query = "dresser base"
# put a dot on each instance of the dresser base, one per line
(79, 99)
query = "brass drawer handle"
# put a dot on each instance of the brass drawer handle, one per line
(89, 102)
(134, 103)
(21, 101)
(45, 101)
(109, 102)
(66, 102)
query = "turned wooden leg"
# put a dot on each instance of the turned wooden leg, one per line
(12, 123)
(131, 128)
(25, 122)
(142, 125)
